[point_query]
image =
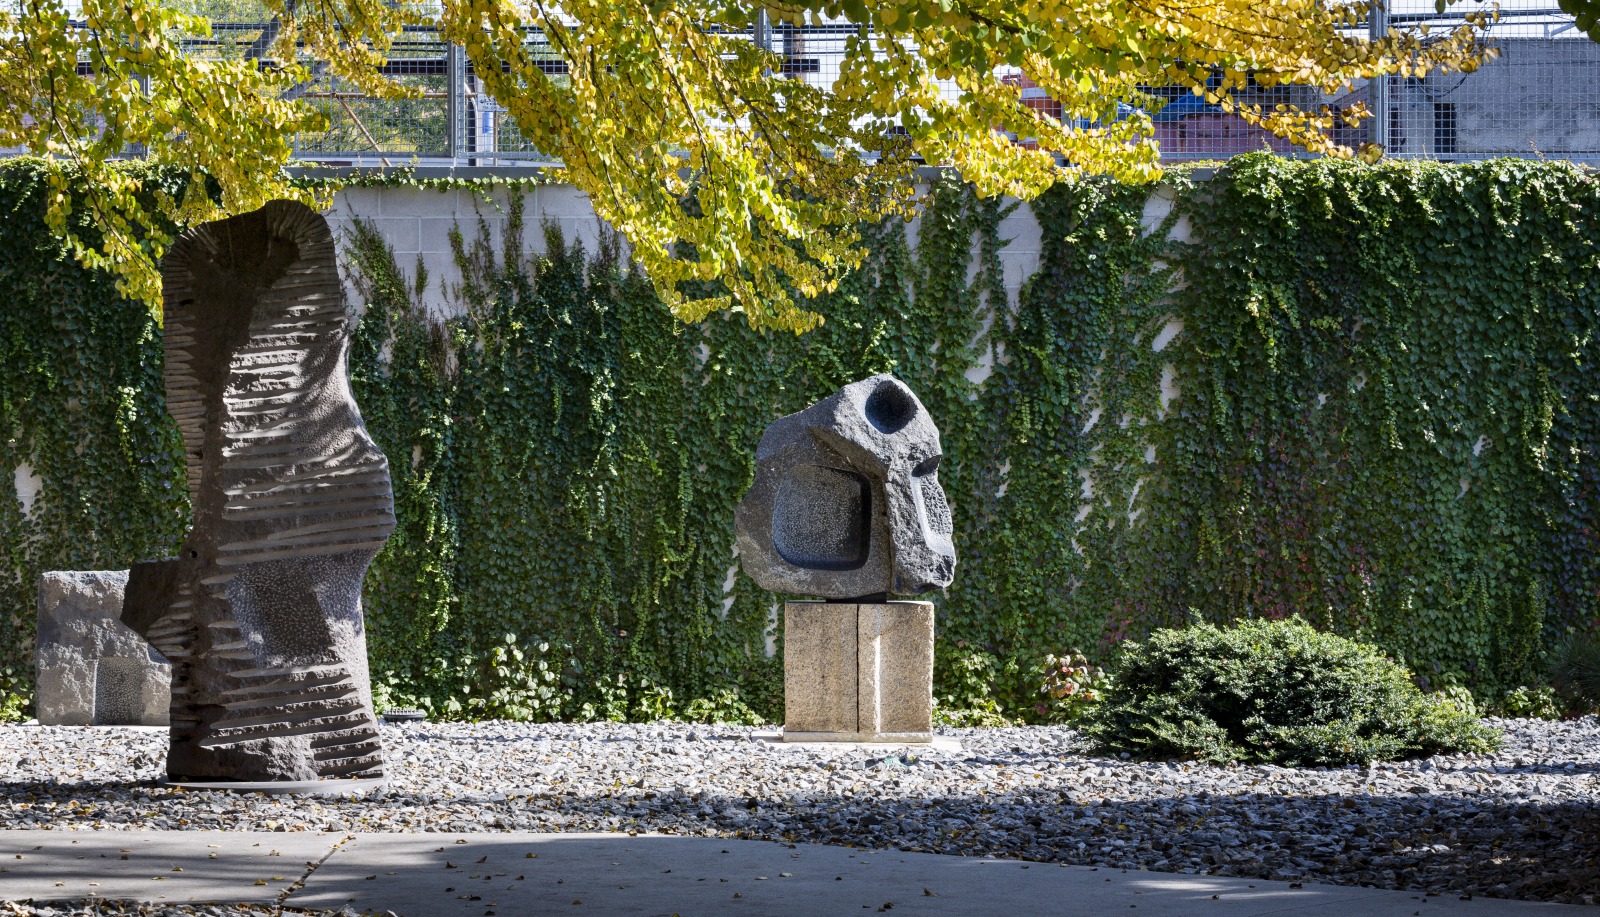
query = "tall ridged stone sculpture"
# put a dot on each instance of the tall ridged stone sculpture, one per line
(846, 505)
(260, 614)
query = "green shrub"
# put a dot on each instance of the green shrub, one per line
(1273, 692)
(964, 676)
(978, 714)
(14, 698)
(967, 683)
(1459, 697)
(1575, 672)
(725, 706)
(1532, 703)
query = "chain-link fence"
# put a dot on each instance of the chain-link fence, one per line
(1539, 97)
(391, 131)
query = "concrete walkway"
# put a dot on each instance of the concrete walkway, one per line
(441, 875)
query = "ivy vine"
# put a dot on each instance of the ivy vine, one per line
(82, 418)
(1389, 421)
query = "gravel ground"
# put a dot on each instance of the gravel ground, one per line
(1522, 823)
(99, 907)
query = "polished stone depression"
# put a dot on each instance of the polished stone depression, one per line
(846, 501)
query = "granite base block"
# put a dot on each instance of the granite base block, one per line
(858, 672)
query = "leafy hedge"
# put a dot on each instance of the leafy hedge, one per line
(1375, 415)
(1277, 692)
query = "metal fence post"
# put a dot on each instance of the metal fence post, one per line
(1378, 28)
(453, 93)
(763, 34)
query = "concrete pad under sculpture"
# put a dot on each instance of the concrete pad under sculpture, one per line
(90, 668)
(261, 611)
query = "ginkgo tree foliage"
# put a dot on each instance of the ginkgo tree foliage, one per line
(1587, 15)
(736, 186)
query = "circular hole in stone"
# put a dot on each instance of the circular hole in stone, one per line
(890, 407)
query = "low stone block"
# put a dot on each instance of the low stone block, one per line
(858, 672)
(93, 670)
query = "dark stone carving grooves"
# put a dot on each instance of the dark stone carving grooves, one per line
(260, 614)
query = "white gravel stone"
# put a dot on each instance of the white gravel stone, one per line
(1520, 823)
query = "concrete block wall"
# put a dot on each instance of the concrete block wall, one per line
(417, 222)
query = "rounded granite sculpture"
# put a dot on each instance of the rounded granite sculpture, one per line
(260, 614)
(846, 501)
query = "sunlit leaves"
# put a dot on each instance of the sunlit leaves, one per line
(737, 186)
(653, 106)
(115, 82)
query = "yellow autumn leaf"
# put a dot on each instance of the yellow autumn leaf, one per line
(736, 186)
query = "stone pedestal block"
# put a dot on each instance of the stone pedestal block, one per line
(92, 669)
(858, 672)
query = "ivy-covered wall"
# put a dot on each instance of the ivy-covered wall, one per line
(1388, 422)
(1353, 393)
(83, 422)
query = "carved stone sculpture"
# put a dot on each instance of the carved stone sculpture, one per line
(847, 505)
(260, 613)
(846, 501)
(92, 670)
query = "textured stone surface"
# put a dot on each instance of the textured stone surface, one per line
(819, 667)
(895, 689)
(93, 670)
(858, 672)
(261, 611)
(846, 501)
